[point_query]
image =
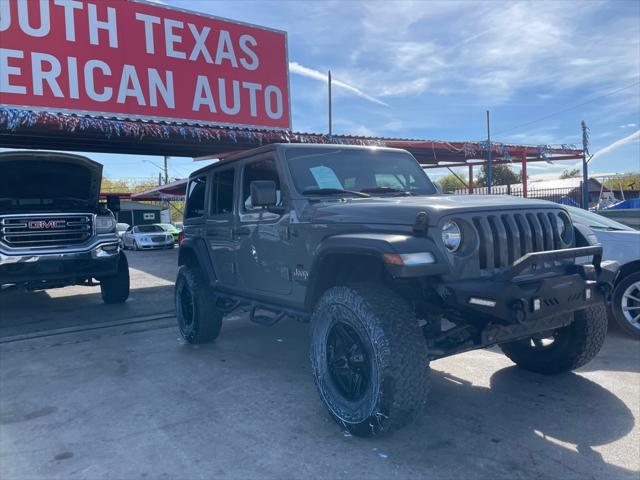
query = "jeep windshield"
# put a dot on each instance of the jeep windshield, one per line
(356, 172)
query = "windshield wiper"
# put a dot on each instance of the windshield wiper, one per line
(333, 191)
(385, 190)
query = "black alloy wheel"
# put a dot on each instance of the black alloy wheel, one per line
(348, 361)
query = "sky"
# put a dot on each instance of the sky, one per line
(430, 70)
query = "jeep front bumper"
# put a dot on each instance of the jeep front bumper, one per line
(537, 286)
(100, 260)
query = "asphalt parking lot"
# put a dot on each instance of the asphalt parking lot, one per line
(95, 391)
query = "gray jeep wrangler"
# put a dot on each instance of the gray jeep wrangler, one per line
(390, 273)
(53, 230)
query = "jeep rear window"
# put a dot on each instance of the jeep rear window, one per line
(351, 169)
(195, 197)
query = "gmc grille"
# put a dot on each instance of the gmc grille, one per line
(45, 231)
(504, 238)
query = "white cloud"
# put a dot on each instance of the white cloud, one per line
(616, 144)
(628, 125)
(298, 69)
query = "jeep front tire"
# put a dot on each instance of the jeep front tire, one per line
(565, 348)
(369, 359)
(198, 318)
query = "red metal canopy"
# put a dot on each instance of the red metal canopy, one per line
(35, 129)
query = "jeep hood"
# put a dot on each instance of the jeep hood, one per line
(48, 181)
(403, 210)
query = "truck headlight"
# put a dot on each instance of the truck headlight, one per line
(105, 224)
(451, 236)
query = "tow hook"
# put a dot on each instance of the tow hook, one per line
(605, 289)
(519, 312)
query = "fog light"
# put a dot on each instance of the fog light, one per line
(483, 302)
(587, 294)
(536, 304)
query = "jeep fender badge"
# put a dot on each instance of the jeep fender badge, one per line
(421, 224)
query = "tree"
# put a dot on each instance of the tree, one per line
(502, 175)
(450, 183)
(126, 185)
(570, 173)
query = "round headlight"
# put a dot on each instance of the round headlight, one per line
(565, 228)
(451, 236)
(562, 226)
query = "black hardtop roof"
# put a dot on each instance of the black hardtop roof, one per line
(286, 146)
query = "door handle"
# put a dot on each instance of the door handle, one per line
(241, 231)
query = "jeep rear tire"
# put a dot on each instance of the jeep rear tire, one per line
(369, 359)
(115, 289)
(565, 348)
(199, 320)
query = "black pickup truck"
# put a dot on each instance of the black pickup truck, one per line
(53, 230)
(390, 273)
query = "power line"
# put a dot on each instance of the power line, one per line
(568, 108)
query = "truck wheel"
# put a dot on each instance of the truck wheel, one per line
(625, 305)
(199, 320)
(369, 359)
(115, 289)
(565, 348)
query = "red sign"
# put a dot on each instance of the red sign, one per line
(137, 59)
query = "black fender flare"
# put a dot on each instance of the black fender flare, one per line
(376, 245)
(198, 248)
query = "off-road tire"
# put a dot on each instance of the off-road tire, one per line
(201, 324)
(616, 305)
(574, 346)
(396, 392)
(115, 289)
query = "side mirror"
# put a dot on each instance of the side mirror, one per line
(113, 203)
(263, 193)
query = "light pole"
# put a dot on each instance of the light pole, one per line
(489, 159)
(585, 167)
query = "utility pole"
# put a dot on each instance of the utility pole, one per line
(585, 172)
(166, 169)
(330, 106)
(489, 159)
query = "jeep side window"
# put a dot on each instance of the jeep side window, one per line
(259, 170)
(222, 192)
(195, 197)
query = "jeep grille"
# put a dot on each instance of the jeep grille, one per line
(506, 237)
(45, 231)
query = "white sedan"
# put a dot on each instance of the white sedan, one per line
(143, 237)
(622, 244)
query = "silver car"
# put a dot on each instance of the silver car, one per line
(622, 244)
(143, 237)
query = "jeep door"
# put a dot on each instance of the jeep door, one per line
(263, 233)
(220, 224)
